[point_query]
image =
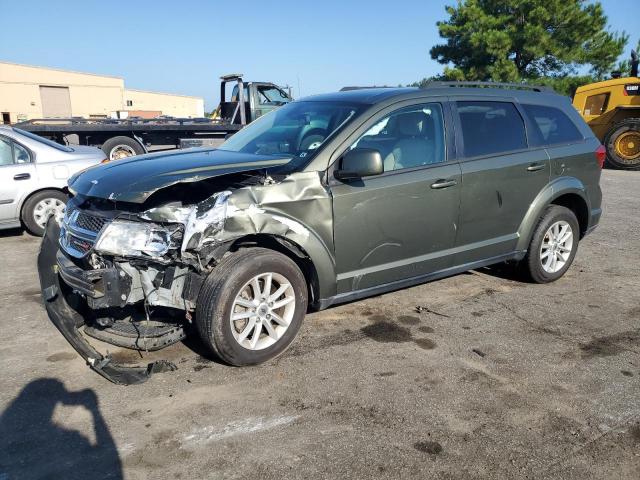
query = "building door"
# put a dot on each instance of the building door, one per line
(55, 102)
(6, 118)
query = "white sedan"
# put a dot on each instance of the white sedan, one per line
(33, 177)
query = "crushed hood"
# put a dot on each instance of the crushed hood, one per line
(137, 178)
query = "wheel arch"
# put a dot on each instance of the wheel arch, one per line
(291, 250)
(622, 113)
(565, 191)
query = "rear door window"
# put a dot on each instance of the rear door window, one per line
(552, 125)
(490, 128)
(12, 153)
(6, 152)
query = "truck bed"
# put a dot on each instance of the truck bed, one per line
(68, 126)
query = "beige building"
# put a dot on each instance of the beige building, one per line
(28, 92)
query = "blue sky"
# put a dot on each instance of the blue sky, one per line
(184, 46)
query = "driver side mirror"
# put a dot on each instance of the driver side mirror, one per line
(360, 162)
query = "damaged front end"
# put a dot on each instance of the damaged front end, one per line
(129, 273)
(68, 313)
(127, 279)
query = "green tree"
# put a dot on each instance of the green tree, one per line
(520, 40)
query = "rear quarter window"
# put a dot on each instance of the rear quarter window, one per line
(552, 126)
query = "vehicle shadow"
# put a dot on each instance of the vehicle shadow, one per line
(505, 271)
(13, 232)
(33, 446)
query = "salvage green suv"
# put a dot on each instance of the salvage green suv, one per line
(326, 200)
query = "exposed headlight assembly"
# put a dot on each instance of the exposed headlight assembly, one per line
(134, 239)
(202, 221)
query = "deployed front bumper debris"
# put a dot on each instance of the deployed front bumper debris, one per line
(61, 305)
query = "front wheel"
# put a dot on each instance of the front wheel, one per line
(553, 245)
(251, 306)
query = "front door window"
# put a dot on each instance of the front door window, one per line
(408, 138)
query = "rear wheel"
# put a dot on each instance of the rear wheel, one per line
(623, 145)
(39, 207)
(553, 245)
(251, 306)
(117, 148)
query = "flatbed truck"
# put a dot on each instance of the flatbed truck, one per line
(120, 138)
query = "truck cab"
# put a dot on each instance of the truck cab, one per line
(258, 98)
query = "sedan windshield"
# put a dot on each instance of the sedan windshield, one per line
(296, 130)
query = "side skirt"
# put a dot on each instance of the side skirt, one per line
(412, 281)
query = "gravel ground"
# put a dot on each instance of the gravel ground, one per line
(493, 378)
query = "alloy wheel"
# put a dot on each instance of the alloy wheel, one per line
(262, 311)
(556, 247)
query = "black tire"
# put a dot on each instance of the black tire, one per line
(126, 145)
(613, 157)
(219, 291)
(28, 209)
(532, 263)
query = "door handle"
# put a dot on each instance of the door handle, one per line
(534, 167)
(443, 184)
(22, 176)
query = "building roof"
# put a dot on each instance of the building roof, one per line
(162, 93)
(98, 75)
(61, 70)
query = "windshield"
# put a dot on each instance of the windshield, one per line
(296, 130)
(46, 141)
(271, 95)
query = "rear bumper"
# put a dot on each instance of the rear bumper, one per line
(594, 219)
(68, 319)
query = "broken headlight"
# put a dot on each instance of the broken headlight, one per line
(202, 221)
(136, 239)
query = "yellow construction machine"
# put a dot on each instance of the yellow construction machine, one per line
(612, 110)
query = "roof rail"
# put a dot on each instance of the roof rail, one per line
(514, 86)
(348, 89)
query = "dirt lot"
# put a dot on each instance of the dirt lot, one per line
(494, 379)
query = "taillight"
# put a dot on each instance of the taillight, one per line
(601, 155)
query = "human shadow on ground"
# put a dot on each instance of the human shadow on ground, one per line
(33, 446)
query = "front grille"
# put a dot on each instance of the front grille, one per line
(79, 231)
(90, 222)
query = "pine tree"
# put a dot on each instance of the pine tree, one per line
(520, 40)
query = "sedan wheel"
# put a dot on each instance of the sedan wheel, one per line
(48, 207)
(41, 206)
